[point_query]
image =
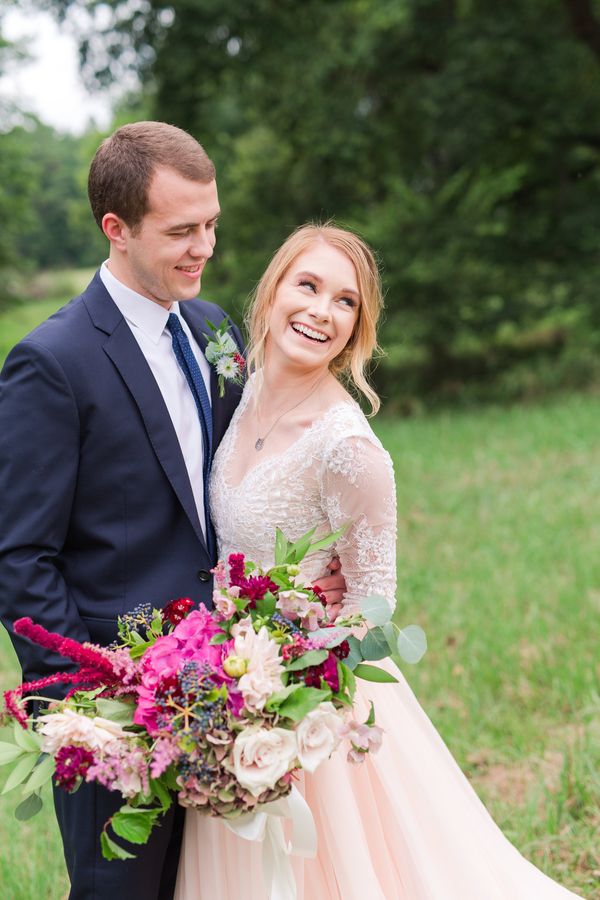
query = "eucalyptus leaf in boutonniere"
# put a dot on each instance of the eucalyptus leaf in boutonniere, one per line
(222, 353)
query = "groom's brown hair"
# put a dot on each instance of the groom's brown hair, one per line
(122, 169)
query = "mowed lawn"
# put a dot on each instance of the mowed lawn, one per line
(499, 529)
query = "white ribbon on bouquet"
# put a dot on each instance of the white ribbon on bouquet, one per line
(265, 825)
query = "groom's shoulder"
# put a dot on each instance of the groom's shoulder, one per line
(202, 313)
(67, 325)
(202, 310)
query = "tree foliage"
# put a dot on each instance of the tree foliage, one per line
(461, 138)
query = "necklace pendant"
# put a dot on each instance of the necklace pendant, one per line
(260, 443)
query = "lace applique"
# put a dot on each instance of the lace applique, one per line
(344, 461)
(337, 472)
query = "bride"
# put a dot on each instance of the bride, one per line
(405, 824)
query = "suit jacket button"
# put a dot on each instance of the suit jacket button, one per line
(203, 575)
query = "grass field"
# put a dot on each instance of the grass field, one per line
(499, 528)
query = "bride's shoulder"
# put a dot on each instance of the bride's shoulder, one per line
(349, 441)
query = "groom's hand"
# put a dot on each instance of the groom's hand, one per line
(334, 587)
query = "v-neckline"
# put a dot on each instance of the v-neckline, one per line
(233, 435)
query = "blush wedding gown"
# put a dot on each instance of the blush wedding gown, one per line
(405, 824)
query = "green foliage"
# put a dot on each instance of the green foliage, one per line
(461, 139)
(373, 673)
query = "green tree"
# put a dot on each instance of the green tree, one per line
(460, 138)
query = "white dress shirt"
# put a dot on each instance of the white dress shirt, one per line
(148, 323)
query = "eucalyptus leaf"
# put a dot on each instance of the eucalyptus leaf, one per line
(301, 702)
(376, 610)
(28, 808)
(375, 645)
(412, 644)
(26, 739)
(312, 658)
(9, 753)
(42, 773)
(116, 710)
(391, 632)
(20, 772)
(355, 656)
(373, 673)
(111, 850)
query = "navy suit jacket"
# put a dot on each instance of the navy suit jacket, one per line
(96, 509)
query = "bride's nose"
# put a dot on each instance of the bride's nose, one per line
(319, 308)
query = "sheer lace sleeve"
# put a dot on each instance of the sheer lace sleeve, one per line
(358, 487)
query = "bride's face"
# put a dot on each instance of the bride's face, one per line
(315, 308)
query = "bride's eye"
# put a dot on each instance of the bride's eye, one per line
(308, 284)
(348, 301)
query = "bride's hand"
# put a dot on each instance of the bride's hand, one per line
(334, 588)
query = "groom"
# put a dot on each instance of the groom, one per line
(109, 416)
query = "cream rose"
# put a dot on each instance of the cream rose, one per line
(318, 734)
(69, 728)
(262, 756)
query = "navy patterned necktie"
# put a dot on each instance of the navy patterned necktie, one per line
(190, 368)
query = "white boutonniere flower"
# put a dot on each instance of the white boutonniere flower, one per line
(222, 353)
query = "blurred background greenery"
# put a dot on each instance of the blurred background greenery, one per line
(461, 138)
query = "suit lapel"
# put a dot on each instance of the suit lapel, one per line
(222, 407)
(124, 351)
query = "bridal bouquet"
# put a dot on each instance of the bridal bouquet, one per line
(216, 709)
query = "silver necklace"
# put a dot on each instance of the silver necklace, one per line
(260, 441)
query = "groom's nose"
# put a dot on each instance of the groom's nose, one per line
(202, 244)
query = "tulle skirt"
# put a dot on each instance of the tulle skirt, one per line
(403, 825)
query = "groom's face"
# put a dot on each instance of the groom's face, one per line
(164, 257)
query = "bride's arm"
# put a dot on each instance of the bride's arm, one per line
(357, 484)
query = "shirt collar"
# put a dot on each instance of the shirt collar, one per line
(149, 317)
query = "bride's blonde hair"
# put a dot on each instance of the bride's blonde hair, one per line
(351, 363)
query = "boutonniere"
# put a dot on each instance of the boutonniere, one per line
(222, 353)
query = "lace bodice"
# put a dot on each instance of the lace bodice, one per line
(335, 472)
